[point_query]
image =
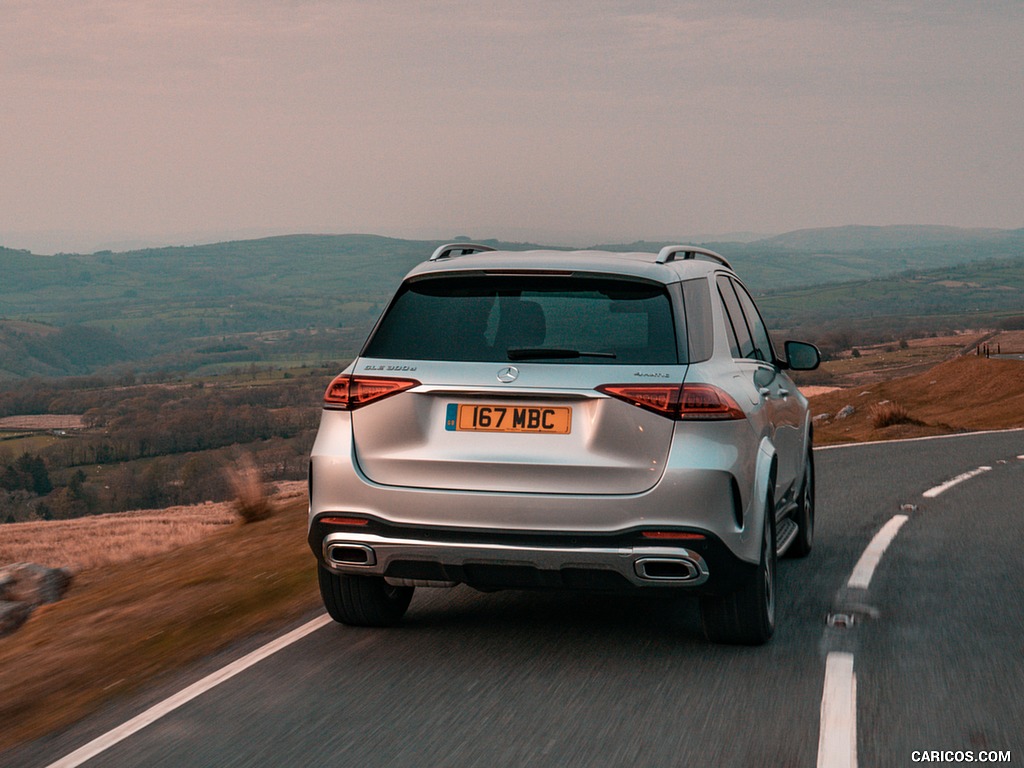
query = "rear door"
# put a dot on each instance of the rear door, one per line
(508, 365)
(776, 393)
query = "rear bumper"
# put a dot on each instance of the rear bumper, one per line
(446, 557)
(708, 486)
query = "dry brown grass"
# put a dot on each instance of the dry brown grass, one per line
(879, 362)
(93, 542)
(122, 625)
(1008, 342)
(888, 414)
(43, 421)
(123, 537)
(968, 393)
(815, 390)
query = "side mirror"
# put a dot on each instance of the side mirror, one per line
(801, 356)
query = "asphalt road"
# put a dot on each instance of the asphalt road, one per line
(527, 679)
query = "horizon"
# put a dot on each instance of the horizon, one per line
(719, 238)
(165, 123)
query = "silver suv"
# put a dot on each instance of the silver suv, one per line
(575, 420)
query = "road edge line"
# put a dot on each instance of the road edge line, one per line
(102, 743)
(953, 436)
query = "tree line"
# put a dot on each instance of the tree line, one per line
(151, 446)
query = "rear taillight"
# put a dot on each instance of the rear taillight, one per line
(349, 392)
(678, 401)
(704, 401)
(660, 398)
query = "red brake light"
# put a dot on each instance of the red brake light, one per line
(660, 398)
(349, 392)
(678, 401)
(704, 401)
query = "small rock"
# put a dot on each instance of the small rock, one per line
(12, 615)
(33, 584)
(822, 417)
(26, 586)
(846, 412)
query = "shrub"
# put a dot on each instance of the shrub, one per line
(887, 414)
(252, 502)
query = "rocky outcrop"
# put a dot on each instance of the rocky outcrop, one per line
(26, 586)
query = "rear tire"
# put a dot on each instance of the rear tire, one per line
(362, 601)
(804, 516)
(746, 616)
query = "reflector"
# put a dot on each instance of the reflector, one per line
(335, 520)
(680, 535)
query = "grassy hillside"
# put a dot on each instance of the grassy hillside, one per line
(978, 294)
(123, 625)
(966, 394)
(307, 299)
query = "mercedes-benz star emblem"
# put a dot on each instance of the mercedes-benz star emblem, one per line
(510, 373)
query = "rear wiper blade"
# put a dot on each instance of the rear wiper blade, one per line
(548, 353)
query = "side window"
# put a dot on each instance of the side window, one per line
(739, 335)
(700, 328)
(758, 331)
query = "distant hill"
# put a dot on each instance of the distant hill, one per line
(32, 349)
(981, 294)
(299, 299)
(861, 238)
(811, 257)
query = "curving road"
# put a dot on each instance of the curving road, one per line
(924, 651)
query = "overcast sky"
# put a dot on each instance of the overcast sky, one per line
(176, 121)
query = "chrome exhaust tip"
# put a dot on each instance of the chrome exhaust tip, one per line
(674, 569)
(349, 553)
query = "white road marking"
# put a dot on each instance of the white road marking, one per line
(931, 493)
(837, 738)
(154, 713)
(865, 568)
(837, 734)
(957, 436)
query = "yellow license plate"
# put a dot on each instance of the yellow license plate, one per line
(464, 417)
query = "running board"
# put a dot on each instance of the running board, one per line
(785, 533)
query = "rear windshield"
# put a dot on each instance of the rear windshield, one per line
(535, 318)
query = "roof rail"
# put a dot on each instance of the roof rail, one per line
(671, 252)
(464, 249)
